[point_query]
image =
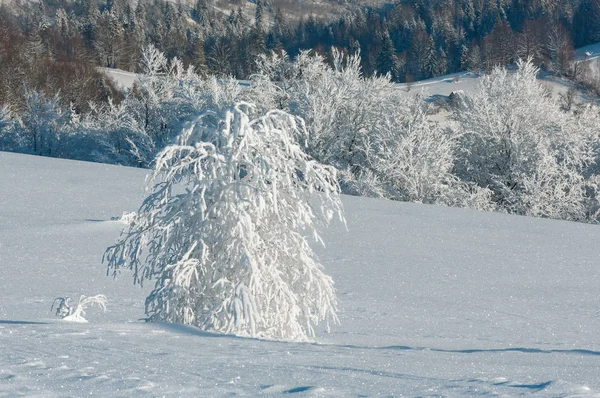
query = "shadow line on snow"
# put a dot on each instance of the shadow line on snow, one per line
(525, 350)
(194, 331)
(533, 387)
(374, 372)
(7, 322)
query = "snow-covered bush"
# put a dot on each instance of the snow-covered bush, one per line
(107, 134)
(224, 233)
(518, 143)
(68, 312)
(41, 124)
(381, 139)
(411, 158)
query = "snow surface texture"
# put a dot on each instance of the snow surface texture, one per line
(433, 301)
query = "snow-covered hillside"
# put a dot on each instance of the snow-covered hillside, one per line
(433, 301)
(124, 79)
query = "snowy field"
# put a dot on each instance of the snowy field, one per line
(433, 302)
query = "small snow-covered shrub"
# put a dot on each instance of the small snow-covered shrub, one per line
(68, 312)
(126, 218)
(224, 233)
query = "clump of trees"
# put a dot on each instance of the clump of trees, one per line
(130, 131)
(381, 139)
(534, 158)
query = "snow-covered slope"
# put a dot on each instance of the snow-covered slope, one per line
(433, 301)
(588, 52)
(124, 79)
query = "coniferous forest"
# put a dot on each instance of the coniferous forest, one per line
(44, 42)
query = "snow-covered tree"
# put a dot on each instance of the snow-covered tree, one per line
(5, 126)
(410, 158)
(518, 143)
(381, 139)
(340, 105)
(224, 233)
(41, 123)
(152, 89)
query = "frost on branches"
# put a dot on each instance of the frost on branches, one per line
(382, 140)
(68, 312)
(223, 234)
(532, 156)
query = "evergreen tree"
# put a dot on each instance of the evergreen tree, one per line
(387, 61)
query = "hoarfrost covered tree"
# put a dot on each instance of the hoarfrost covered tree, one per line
(41, 123)
(6, 132)
(339, 105)
(518, 143)
(408, 157)
(224, 233)
(152, 89)
(381, 139)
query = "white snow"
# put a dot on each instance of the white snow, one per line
(443, 85)
(591, 51)
(124, 79)
(433, 301)
(467, 82)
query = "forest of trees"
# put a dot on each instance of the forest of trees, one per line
(55, 46)
(411, 39)
(55, 102)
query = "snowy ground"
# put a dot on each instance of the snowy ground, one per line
(433, 301)
(591, 51)
(123, 78)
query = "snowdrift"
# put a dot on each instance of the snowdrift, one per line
(432, 301)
